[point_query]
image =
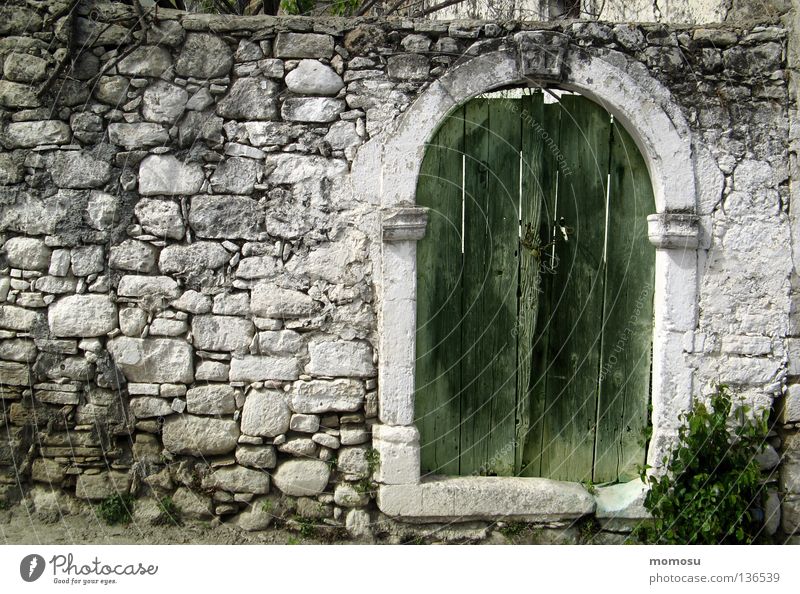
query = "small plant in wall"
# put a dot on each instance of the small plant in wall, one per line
(116, 509)
(373, 458)
(712, 477)
(170, 513)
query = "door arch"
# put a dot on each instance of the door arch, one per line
(534, 302)
(646, 109)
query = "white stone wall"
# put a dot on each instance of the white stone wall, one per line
(621, 11)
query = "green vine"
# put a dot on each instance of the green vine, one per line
(712, 478)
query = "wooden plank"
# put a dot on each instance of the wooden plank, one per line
(490, 292)
(439, 269)
(503, 202)
(577, 302)
(544, 130)
(531, 198)
(627, 330)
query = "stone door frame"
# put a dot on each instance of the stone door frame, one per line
(644, 107)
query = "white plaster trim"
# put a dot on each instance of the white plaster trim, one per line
(645, 109)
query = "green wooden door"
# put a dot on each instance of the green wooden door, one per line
(534, 301)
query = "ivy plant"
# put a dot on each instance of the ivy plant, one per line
(712, 479)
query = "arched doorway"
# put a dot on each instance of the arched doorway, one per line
(535, 292)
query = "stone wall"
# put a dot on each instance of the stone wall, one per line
(189, 272)
(623, 11)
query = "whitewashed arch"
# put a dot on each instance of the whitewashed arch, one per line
(644, 107)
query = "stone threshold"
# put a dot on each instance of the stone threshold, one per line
(439, 498)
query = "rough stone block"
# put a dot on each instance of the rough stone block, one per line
(146, 407)
(250, 99)
(14, 374)
(200, 436)
(303, 45)
(341, 358)
(311, 77)
(257, 517)
(236, 175)
(353, 435)
(265, 413)
(147, 286)
(325, 440)
(320, 396)
(238, 479)
(16, 95)
(193, 302)
(270, 301)
(222, 333)
(204, 56)
(112, 90)
(280, 342)
(303, 478)
(299, 447)
(790, 514)
(20, 350)
(77, 170)
(291, 169)
(158, 360)
(194, 258)
(139, 135)
(304, 423)
(231, 304)
(212, 371)
(353, 461)
(747, 345)
(215, 399)
(17, 318)
(133, 256)
(162, 218)
(408, 67)
(256, 369)
(96, 487)
(347, 496)
(101, 210)
(166, 175)
(311, 109)
(132, 321)
(193, 506)
(225, 217)
(46, 470)
(256, 456)
(31, 134)
(82, 315)
(793, 353)
(24, 68)
(790, 411)
(27, 253)
(88, 259)
(147, 60)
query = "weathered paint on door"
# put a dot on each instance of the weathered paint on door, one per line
(534, 303)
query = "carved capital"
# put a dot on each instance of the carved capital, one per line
(668, 231)
(541, 54)
(405, 224)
